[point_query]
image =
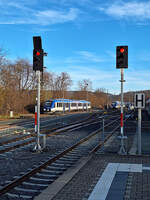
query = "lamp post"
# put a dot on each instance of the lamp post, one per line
(87, 96)
(63, 93)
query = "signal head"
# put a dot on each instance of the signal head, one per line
(122, 50)
(37, 53)
(121, 57)
(38, 59)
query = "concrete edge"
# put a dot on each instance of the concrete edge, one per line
(57, 185)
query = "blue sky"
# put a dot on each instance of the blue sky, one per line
(80, 37)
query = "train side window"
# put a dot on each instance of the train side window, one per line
(67, 105)
(73, 104)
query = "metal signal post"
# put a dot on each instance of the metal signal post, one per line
(38, 62)
(122, 148)
(37, 146)
(121, 63)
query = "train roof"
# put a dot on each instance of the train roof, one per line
(69, 101)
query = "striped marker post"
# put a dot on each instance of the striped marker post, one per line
(37, 115)
(122, 148)
(121, 122)
(35, 119)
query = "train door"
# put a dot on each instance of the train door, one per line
(77, 106)
(63, 107)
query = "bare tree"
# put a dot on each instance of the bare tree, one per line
(16, 79)
(48, 81)
(61, 84)
(85, 85)
(3, 59)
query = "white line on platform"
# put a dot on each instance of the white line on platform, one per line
(103, 185)
(146, 168)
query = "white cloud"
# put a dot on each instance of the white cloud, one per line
(80, 72)
(99, 77)
(84, 57)
(52, 16)
(135, 10)
(90, 56)
(20, 13)
(72, 2)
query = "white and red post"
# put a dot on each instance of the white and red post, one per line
(35, 119)
(37, 115)
(122, 148)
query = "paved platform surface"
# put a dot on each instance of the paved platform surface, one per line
(110, 177)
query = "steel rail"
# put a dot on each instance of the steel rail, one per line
(53, 131)
(26, 176)
(105, 140)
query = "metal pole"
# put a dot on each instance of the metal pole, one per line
(103, 135)
(107, 99)
(122, 103)
(63, 104)
(63, 94)
(36, 119)
(122, 149)
(87, 100)
(139, 131)
(87, 96)
(38, 147)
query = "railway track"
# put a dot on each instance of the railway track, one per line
(28, 125)
(30, 184)
(30, 122)
(26, 139)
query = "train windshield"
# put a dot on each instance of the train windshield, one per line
(48, 103)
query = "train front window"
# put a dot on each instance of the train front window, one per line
(48, 103)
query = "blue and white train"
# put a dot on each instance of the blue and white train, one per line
(60, 105)
(116, 104)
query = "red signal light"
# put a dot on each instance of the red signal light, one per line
(122, 50)
(37, 53)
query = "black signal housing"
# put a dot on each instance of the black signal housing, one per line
(121, 57)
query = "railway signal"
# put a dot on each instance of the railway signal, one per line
(121, 57)
(38, 55)
(38, 59)
(121, 63)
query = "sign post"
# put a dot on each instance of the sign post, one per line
(139, 102)
(139, 130)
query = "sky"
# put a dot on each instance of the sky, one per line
(80, 37)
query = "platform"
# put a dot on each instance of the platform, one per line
(106, 177)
